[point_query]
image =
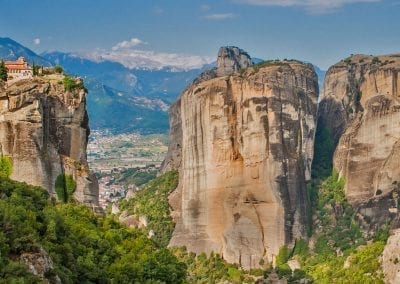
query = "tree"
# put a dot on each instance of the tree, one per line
(65, 187)
(3, 71)
(35, 69)
(5, 167)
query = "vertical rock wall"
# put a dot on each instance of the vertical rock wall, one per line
(44, 129)
(245, 154)
(361, 107)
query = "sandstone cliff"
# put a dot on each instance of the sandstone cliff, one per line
(243, 144)
(44, 129)
(361, 107)
(390, 259)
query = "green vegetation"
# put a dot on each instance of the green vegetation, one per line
(35, 69)
(338, 240)
(283, 255)
(347, 60)
(5, 167)
(275, 62)
(323, 153)
(52, 70)
(137, 176)
(3, 72)
(359, 266)
(58, 69)
(72, 84)
(152, 202)
(376, 60)
(84, 248)
(212, 269)
(65, 187)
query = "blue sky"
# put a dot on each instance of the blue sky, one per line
(319, 31)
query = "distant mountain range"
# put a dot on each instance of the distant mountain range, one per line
(165, 83)
(121, 98)
(11, 50)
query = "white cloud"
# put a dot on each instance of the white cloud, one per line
(143, 59)
(36, 41)
(127, 54)
(219, 17)
(314, 6)
(126, 44)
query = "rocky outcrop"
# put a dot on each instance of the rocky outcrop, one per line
(361, 107)
(391, 259)
(44, 129)
(232, 59)
(40, 264)
(243, 144)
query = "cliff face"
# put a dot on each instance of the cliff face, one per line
(361, 107)
(390, 258)
(44, 129)
(245, 145)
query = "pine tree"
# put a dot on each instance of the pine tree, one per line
(34, 69)
(3, 71)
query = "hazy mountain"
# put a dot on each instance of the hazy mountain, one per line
(11, 50)
(123, 112)
(123, 99)
(165, 83)
(321, 76)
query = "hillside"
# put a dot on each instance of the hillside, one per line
(67, 243)
(11, 50)
(122, 112)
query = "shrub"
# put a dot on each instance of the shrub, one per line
(3, 71)
(58, 69)
(5, 167)
(283, 255)
(72, 84)
(65, 187)
(376, 60)
(300, 248)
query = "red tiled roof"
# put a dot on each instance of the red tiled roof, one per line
(17, 67)
(19, 64)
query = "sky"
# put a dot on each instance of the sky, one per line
(318, 31)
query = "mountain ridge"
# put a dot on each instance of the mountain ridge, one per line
(11, 50)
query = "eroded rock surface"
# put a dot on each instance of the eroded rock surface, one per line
(361, 107)
(44, 129)
(244, 145)
(40, 264)
(232, 59)
(391, 259)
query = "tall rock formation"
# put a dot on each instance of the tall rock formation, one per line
(243, 144)
(44, 129)
(232, 59)
(361, 108)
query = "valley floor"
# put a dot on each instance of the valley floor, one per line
(125, 161)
